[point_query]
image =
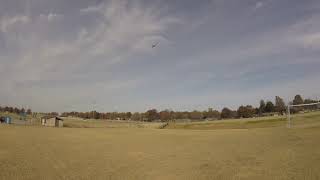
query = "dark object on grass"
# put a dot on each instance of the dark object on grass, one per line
(6, 120)
(2, 120)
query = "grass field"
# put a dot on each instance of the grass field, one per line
(91, 123)
(264, 122)
(240, 149)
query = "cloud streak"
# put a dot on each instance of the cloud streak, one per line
(8, 22)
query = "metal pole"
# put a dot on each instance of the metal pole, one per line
(289, 118)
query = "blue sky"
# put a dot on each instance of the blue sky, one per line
(82, 54)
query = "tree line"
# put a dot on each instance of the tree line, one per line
(266, 108)
(15, 110)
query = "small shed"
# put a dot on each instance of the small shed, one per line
(49, 121)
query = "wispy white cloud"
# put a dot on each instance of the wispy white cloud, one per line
(120, 32)
(51, 16)
(93, 9)
(259, 5)
(126, 28)
(302, 34)
(311, 41)
(7, 22)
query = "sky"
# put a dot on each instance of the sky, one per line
(80, 55)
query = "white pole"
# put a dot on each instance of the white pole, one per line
(289, 118)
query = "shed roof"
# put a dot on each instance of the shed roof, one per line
(58, 118)
(50, 117)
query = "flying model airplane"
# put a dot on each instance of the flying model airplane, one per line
(155, 45)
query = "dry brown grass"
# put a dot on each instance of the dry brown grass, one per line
(80, 123)
(132, 153)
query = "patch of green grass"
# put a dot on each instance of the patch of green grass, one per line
(264, 122)
(12, 115)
